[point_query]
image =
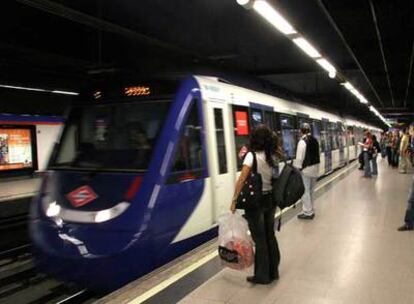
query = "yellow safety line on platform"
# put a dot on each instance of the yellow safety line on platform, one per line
(164, 284)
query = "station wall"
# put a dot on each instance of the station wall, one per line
(46, 136)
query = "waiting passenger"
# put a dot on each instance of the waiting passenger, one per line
(307, 160)
(376, 150)
(409, 213)
(395, 148)
(389, 148)
(367, 147)
(404, 152)
(361, 155)
(261, 220)
(383, 142)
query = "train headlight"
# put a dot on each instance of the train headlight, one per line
(109, 214)
(103, 216)
(53, 209)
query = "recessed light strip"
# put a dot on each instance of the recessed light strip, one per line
(273, 17)
(38, 90)
(269, 13)
(305, 46)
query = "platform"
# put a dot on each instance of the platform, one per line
(18, 188)
(350, 253)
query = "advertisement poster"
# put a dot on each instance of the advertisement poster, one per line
(241, 123)
(15, 149)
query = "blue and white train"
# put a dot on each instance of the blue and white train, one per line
(140, 176)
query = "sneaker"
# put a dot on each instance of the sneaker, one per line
(405, 227)
(303, 216)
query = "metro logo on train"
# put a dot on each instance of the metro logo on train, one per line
(81, 196)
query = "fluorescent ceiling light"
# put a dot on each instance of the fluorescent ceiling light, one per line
(38, 90)
(348, 86)
(305, 46)
(64, 92)
(354, 91)
(21, 88)
(326, 65)
(273, 17)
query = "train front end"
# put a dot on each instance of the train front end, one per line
(104, 215)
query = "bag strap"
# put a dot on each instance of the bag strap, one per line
(254, 168)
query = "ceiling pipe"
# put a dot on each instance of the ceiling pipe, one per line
(374, 18)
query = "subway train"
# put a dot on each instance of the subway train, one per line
(141, 173)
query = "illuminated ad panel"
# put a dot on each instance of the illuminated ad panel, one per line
(15, 149)
(242, 123)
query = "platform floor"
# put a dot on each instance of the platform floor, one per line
(350, 253)
(18, 188)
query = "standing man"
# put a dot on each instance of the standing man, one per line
(307, 160)
(404, 152)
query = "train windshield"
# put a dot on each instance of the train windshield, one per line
(111, 137)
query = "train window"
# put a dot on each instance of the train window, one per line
(316, 132)
(188, 157)
(333, 132)
(288, 135)
(325, 136)
(111, 137)
(256, 117)
(220, 140)
(351, 136)
(241, 132)
(341, 139)
(269, 120)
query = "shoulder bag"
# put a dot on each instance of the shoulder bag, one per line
(251, 193)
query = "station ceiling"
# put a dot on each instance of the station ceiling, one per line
(62, 44)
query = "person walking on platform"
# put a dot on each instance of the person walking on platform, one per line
(396, 148)
(383, 144)
(367, 147)
(376, 150)
(361, 155)
(389, 148)
(404, 152)
(409, 213)
(261, 220)
(307, 160)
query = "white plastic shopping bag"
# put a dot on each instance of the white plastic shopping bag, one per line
(235, 244)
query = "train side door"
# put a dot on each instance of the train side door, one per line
(327, 145)
(341, 144)
(222, 169)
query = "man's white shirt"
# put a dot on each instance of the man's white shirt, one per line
(311, 171)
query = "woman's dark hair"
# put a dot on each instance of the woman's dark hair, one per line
(262, 139)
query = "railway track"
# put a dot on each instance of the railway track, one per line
(21, 283)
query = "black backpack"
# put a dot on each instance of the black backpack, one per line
(251, 193)
(288, 188)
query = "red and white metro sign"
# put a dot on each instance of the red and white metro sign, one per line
(81, 196)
